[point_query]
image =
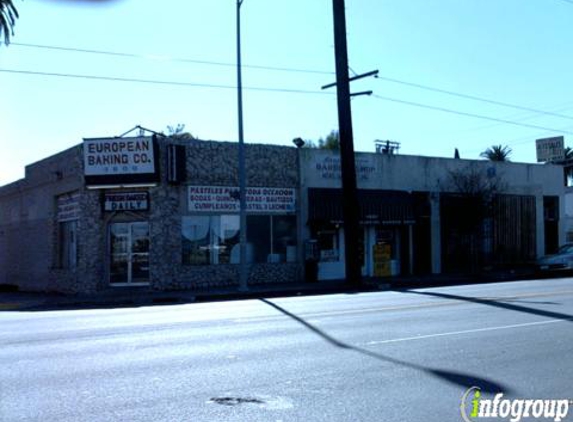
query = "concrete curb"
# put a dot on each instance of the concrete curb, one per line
(24, 301)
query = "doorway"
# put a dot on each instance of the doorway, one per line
(381, 251)
(129, 253)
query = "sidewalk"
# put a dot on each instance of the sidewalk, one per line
(142, 296)
(120, 297)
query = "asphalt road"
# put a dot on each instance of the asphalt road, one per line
(387, 356)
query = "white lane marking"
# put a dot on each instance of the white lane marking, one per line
(476, 330)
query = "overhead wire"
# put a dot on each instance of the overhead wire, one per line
(463, 113)
(284, 90)
(473, 97)
(271, 89)
(167, 58)
(159, 82)
(299, 70)
(520, 117)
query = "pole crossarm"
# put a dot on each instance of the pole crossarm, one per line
(354, 78)
(356, 94)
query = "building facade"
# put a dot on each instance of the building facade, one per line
(159, 212)
(422, 215)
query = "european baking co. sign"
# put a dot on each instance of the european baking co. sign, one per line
(120, 161)
(550, 149)
(225, 199)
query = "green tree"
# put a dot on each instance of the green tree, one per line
(497, 153)
(331, 142)
(8, 16)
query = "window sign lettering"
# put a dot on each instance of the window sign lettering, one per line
(124, 201)
(226, 199)
(68, 207)
(329, 168)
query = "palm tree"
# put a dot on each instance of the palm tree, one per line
(497, 153)
(8, 16)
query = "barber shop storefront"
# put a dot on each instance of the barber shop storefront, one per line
(387, 220)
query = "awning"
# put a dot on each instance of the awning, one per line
(376, 206)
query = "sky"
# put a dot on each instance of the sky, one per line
(449, 70)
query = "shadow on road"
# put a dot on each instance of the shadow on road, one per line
(463, 380)
(502, 303)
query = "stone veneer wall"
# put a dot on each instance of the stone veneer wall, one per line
(29, 232)
(212, 163)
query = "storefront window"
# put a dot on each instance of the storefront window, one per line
(259, 235)
(284, 238)
(210, 240)
(328, 242)
(273, 238)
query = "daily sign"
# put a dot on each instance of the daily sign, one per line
(124, 201)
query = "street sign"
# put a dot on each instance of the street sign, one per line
(550, 149)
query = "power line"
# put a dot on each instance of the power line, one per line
(568, 1)
(285, 69)
(159, 82)
(270, 89)
(514, 117)
(167, 58)
(463, 113)
(475, 98)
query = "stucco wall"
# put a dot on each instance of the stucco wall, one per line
(321, 169)
(429, 174)
(27, 220)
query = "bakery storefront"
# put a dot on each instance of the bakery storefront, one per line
(159, 212)
(122, 170)
(127, 237)
(211, 227)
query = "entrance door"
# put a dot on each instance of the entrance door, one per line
(129, 252)
(381, 251)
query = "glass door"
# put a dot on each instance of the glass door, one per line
(129, 252)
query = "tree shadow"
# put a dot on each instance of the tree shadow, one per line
(457, 378)
(502, 303)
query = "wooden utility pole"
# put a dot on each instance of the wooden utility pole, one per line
(243, 269)
(350, 207)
